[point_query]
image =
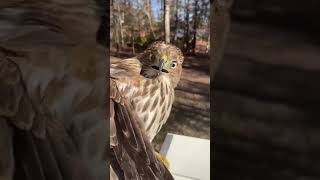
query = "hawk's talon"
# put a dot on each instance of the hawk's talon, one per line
(163, 159)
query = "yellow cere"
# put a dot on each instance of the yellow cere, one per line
(165, 57)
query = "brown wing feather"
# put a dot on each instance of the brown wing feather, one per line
(40, 152)
(44, 59)
(14, 103)
(134, 154)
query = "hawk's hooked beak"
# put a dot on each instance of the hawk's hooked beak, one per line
(161, 65)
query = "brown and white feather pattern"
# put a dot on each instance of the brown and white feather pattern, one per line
(151, 98)
(131, 156)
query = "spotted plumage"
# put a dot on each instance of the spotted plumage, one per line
(144, 86)
(150, 91)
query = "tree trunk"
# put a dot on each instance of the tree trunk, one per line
(161, 10)
(116, 24)
(120, 21)
(195, 26)
(186, 29)
(139, 19)
(167, 21)
(147, 11)
(132, 41)
(176, 19)
(150, 8)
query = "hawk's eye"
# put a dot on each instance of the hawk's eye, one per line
(173, 65)
(152, 57)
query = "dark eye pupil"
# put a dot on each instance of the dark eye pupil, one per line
(173, 65)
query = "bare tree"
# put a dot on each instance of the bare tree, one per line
(131, 21)
(139, 18)
(120, 21)
(186, 29)
(195, 26)
(147, 11)
(176, 9)
(150, 7)
(161, 10)
(132, 40)
(116, 26)
(135, 21)
(167, 21)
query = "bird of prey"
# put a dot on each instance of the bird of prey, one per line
(141, 96)
(148, 82)
(132, 156)
(52, 80)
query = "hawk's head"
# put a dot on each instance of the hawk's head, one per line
(162, 59)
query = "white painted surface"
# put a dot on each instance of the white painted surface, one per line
(189, 157)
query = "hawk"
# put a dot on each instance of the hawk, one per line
(141, 97)
(131, 154)
(148, 82)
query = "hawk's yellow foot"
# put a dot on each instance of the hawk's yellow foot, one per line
(163, 159)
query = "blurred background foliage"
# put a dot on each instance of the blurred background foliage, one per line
(134, 24)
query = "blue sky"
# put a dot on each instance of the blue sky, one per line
(156, 6)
